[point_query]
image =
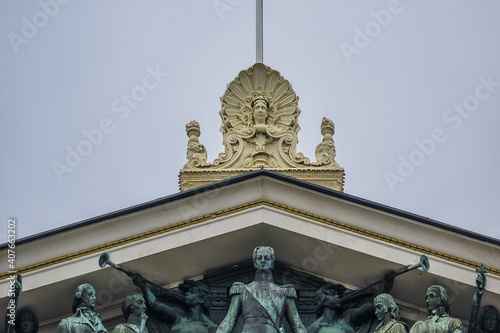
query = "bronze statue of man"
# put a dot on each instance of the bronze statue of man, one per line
(134, 311)
(262, 303)
(196, 297)
(387, 312)
(336, 316)
(439, 320)
(84, 320)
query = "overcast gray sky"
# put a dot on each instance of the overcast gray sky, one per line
(413, 88)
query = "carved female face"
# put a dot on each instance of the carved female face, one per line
(260, 112)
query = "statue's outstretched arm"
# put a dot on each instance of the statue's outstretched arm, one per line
(362, 314)
(232, 315)
(162, 309)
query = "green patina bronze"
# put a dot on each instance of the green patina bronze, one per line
(134, 311)
(262, 303)
(195, 299)
(439, 320)
(84, 320)
(339, 313)
(387, 313)
(489, 319)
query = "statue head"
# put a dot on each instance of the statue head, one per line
(437, 299)
(260, 106)
(84, 297)
(26, 321)
(196, 294)
(263, 258)
(133, 304)
(328, 295)
(384, 304)
(488, 322)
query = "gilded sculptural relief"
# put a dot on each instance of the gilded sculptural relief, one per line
(259, 126)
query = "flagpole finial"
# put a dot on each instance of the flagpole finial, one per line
(259, 32)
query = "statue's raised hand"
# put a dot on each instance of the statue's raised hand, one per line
(388, 282)
(481, 282)
(139, 280)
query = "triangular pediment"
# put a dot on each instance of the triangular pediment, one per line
(325, 234)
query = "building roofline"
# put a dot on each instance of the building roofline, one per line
(243, 177)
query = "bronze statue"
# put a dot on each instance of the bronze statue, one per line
(23, 320)
(134, 311)
(332, 317)
(196, 298)
(262, 303)
(84, 320)
(26, 321)
(387, 312)
(439, 320)
(337, 313)
(488, 323)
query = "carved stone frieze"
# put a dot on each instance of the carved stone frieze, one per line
(259, 126)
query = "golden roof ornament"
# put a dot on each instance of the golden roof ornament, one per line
(259, 126)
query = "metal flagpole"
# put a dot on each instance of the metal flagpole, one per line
(260, 33)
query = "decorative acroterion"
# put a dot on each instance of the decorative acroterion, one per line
(259, 126)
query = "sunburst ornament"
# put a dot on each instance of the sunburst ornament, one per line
(259, 113)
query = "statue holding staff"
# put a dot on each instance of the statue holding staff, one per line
(489, 319)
